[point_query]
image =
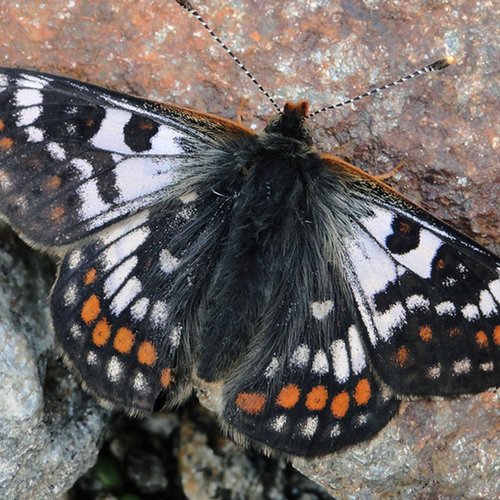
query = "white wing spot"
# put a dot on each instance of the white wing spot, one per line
(340, 361)
(470, 312)
(122, 248)
(358, 359)
(300, 356)
(462, 366)
(188, 198)
(309, 427)
(159, 313)
(74, 259)
(415, 302)
(114, 369)
(434, 371)
(278, 423)
(336, 431)
(487, 303)
(494, 287)
(374, 269)
(486, 367)
(419, 260)
(321, 310)
(84, 167)
(35, 134)
(446, 308)
(139, 382)
(320, 363)
(168, 262)
(70, 295)
(32, 81)
(92, 203)
(175, 336)
(272, 368)
(139, 309)
(76, 332)
(28, 97)
(56, 151)
(92, 358)
(28, 115)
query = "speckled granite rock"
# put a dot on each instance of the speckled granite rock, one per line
(444, 128)
(50, 431)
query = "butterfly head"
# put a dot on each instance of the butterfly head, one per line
(291, 122)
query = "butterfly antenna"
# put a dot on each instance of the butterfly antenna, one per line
(187, 6)
(435, 66)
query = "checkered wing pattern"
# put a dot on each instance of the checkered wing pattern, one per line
(123, 302)
(429, 298)
(75, 158)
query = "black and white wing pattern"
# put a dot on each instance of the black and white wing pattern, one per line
(117, 187)
(428, 295)
(75, 158)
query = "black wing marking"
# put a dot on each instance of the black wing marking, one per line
(75, 158)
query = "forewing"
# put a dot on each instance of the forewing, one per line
(125, 304)
(75, 158)
(428, 295)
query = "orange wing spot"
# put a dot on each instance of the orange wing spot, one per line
(166, 377)
(90, 310)
(402, 356)
(101, 333)
(363, 392)
(146, 353)
(6, 143)
(90, 275)
(90, 122)
(454, 332)
(404, 227)
(54, 182)
(481, 339)
(288, 396)
(317, 398)
(145, 125)
(496, 335)
(425, 333)
(124, 340)
(56, 214)
(251, 402)
(440, 264)
(340, 404)
(2, 125)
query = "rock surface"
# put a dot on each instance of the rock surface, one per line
(443, 127)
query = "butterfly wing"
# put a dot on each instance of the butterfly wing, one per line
(130, 194)
(75, 158)
(428, 295)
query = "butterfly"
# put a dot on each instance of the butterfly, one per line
(298, 296)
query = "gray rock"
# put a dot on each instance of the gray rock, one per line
(50, 431)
